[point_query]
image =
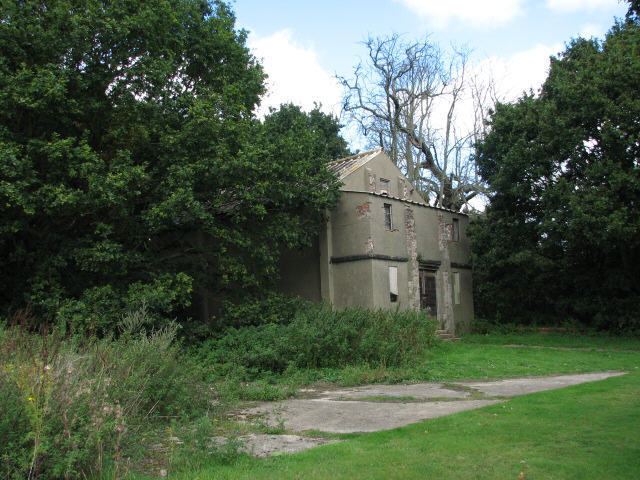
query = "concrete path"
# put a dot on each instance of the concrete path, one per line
(381, 407)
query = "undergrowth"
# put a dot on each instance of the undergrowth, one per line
(74, 408)
(135, 401)
(320, 337)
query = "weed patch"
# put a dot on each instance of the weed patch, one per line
(76, 408)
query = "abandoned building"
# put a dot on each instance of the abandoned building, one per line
(384, 247)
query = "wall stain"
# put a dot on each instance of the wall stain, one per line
(364, 210)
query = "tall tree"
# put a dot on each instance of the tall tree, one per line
(324, 128)
(561, 236)
(131, 166)
(407, 99)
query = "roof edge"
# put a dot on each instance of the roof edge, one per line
(344, 167)
(357, 155)
(406, 200)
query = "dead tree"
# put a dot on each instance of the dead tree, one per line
(406, 99)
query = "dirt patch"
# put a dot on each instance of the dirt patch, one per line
(262, 445)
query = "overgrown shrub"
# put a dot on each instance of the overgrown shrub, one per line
(271, 308)
(319, 337)
(72, 408)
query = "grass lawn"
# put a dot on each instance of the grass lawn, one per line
(589, 431)
(498, 356)
(559, 340)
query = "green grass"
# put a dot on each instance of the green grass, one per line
(559, 340)
(589, 431)
(490, 357)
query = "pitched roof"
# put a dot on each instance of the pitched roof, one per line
(344, 166)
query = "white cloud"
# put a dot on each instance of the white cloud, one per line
(477, 13)
(575, 5)
(295, 74)
(511, 75)
(589, 30)
(521, 71)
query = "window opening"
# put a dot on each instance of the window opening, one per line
(388, 220)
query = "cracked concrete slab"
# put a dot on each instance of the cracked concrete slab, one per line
(351, 410)
(337, 416)
(521, 386)
(418, 391)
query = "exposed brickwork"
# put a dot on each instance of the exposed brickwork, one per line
(369, 247)
(413, 272)
(403, 189)
(364, 210)
(445, 313)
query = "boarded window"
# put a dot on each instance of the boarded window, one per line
(393, 284)
(456, 288)
(455, 230)
(388, 220)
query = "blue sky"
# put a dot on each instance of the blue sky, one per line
(304, 44)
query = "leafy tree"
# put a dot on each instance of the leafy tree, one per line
(561, 236)
(132, 169)
(323, 128)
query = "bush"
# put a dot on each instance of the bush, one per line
(319, 337)
(271, 308)
(71, 409)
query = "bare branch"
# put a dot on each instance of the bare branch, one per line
(407, 98)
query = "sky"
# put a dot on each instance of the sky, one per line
(303, 45)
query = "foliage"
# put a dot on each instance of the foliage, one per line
(487, 356)
(561, 236)
(132, 169)
(318, 337)
(14, 430)
(327, 143)
(269, 308)
(79, 408)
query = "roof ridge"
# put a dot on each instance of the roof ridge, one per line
(357, 155)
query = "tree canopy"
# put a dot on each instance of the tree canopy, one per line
(561, 236)
(132, 169)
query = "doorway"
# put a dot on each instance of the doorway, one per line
(428, 299)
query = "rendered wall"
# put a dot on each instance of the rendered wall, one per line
(353, 284)
(380, 285)
(356, 249)
(361, 231)
(464, 311)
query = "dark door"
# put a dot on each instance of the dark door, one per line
(428, 300)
